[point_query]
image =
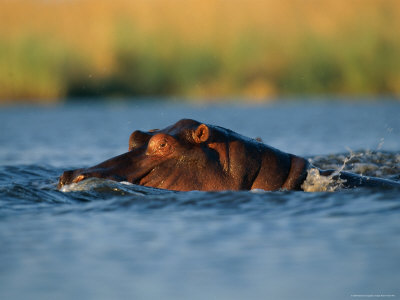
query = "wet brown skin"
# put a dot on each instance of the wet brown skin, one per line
(190, 155)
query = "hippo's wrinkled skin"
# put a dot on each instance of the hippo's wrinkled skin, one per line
(193, 156)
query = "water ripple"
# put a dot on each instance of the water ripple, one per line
(33, 188)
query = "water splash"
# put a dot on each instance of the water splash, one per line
(99, 185)
(315, 182)
(84, 185)
(381, 164)
(381, 143)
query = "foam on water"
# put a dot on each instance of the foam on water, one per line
(92, 184)
(368, 163)
(315, 182)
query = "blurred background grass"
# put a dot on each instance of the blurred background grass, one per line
(198, 49)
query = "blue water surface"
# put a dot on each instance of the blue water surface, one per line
(109, 240)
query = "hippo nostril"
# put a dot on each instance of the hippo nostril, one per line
(78, 178)
(65, 178)
(69, 177)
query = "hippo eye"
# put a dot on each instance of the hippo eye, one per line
(160, 144)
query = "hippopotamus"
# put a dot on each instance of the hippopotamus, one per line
(190, 155)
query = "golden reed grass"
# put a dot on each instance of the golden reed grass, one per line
(205, 48)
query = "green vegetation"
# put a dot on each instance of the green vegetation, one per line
(350, 56)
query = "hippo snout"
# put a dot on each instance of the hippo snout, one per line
(71, 176)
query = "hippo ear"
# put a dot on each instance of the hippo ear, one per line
(201, 134)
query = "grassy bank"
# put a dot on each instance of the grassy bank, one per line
(201, 49)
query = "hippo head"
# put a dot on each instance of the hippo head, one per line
(190, 155)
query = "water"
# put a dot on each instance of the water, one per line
(108, 240)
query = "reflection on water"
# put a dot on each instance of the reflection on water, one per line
(100, 239)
